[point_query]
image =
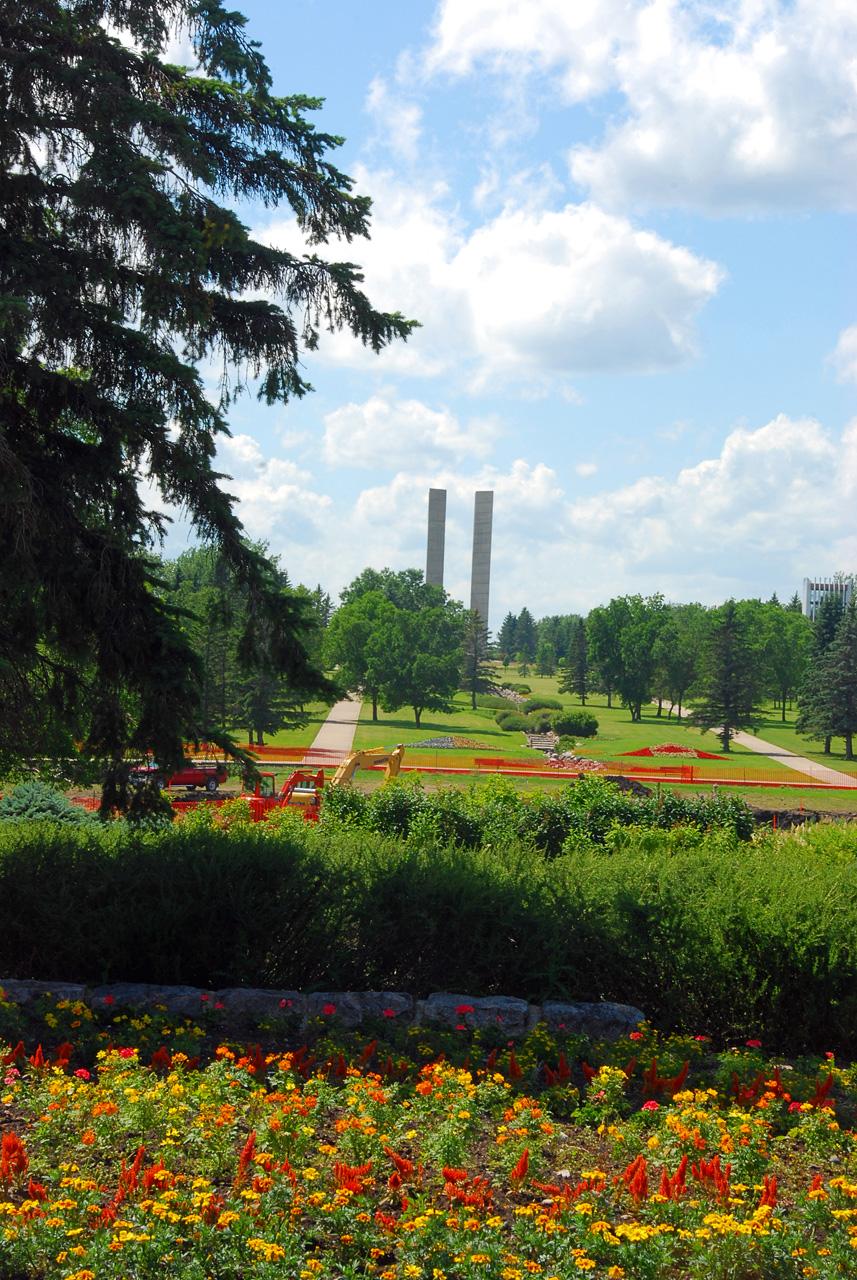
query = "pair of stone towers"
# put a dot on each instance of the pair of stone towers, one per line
(480, 574)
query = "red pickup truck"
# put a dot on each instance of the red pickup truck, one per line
(191, 776)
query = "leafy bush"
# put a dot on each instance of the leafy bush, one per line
(574, 723)
(512, 722)
(523, 689)
(539, 721)
(701, 930)
(495, 703)
(35, 802)
(539, 703)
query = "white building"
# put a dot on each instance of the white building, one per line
(814, 592)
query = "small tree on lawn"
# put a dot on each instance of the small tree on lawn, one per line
(814, 718)
(476, 675)
(418, 658)
(730, 679)
(523, 664)
(831, 703)
(546, 659)
(575, 670)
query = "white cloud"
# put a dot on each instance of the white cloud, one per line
(532, 295)
(397, 121)
(774, 505)
(389, 434)
(844, 357)
(585, 469)
(729, 104)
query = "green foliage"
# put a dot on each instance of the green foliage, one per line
(512, 722)
(35, 802)
(123, 276)
(579, 724)
(731, 677)
(493, 702)
(700, 929)
(539, 703)
(523, 689)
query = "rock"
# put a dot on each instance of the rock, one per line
(377, 1004)
(149, 995)
(22, 991)
(345, 1004)
(602, 1021)
(246, 1001)
(472, 1011)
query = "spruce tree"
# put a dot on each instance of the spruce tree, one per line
(814, 718)
(123, 271)
(476, 675)
(730, 679)
(840, 680)
(576, 666)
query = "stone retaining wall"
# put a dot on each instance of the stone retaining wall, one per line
(601, 1021)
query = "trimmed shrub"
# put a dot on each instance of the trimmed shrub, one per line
(538, 703)
(539, 721)
(512, 722)
(494, 702)
(574, 723)
(518, 688)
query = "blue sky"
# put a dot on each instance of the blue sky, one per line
(628, 229)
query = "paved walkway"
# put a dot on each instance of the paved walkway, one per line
(821, 772)
(337, 732)
(800, 764)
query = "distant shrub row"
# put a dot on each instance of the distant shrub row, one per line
(701, 930)
(571, 721)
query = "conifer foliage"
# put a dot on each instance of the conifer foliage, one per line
(123, 272)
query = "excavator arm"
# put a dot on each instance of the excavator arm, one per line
(392, 758)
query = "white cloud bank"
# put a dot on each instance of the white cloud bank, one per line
(729, 104)
(386, 434)
(844, 358)
(775, 504)
(531, 296)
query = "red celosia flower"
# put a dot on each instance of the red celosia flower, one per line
(519, 1172)
(13, 1157)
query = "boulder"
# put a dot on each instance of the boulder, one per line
(477, 1011)
(601, 1021)
(246, 1001)
(344, 1004)
(22, 991)
(149, 995)
(379, 1004)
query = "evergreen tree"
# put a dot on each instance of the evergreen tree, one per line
(506, 639)
(476, 675)
(815, 718)
(121, 272)
(839, 680)
(730, 676)
(575, 670)
(794, 605)
(525, 634)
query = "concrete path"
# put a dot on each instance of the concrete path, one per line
(821, 772)
(800, 764)
(337, 732)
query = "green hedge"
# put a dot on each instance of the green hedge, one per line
(703, 931)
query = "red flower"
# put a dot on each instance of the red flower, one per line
(635, 1035)
(651, 1106)
(82, 1074)
(285, 1004)
(205, 997)
(464, 1008)
(328, 1010)
(389, 1013)
(220, 1006)
(459, 1026)
(795, 1106)
(701, 1039)
(109, 1000)
(754, 1044)
(126, 1053)
(828, 1055)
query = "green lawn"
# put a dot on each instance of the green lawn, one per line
(299, 737)
(398, 726)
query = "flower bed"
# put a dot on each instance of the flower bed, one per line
(674, 749)
(420, 1153)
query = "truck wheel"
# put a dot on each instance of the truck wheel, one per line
(211, 784)
(191, 786)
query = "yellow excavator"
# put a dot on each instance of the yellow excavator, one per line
(390, 756)
(304, 789)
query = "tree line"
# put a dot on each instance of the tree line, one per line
(727, 660)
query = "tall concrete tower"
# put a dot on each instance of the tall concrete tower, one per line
(480, 576)
(436, 537)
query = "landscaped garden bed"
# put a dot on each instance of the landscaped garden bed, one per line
(419, 1152)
